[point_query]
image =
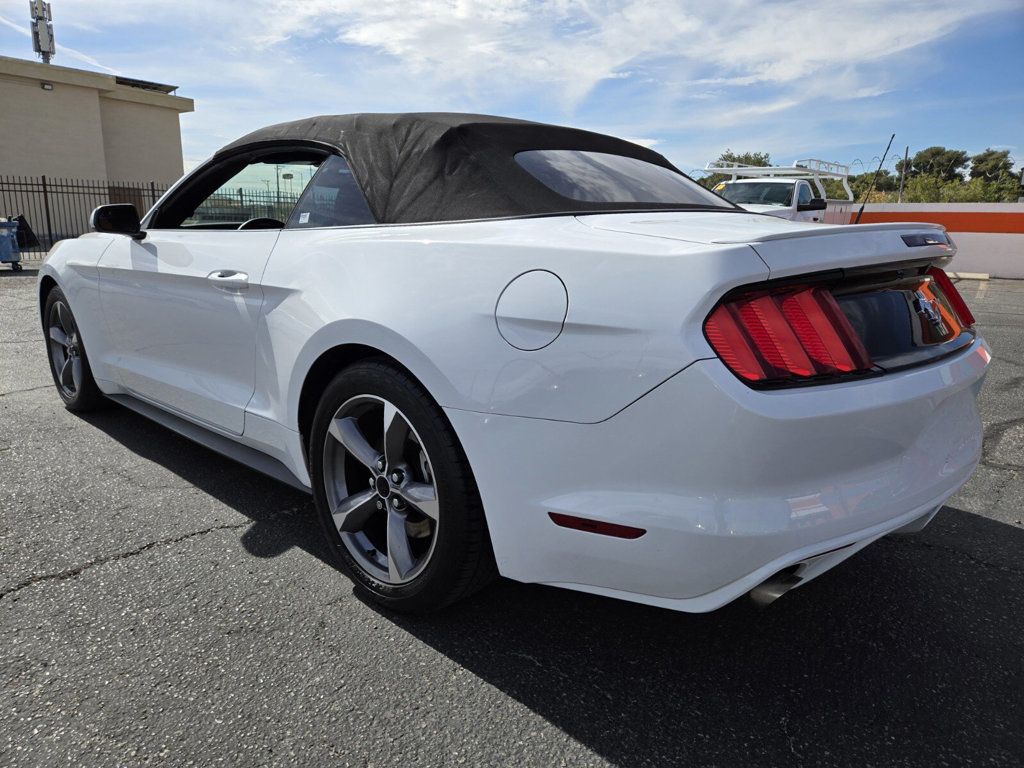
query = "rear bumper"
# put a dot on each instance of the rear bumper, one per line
(731, 484)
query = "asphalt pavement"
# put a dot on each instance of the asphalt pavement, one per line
(162, 605)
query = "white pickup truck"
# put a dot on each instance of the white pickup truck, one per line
(789, 192)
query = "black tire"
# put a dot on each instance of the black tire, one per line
(86, 396)
(462, 561)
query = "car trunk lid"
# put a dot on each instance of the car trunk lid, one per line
(787, 247)
(883, 279)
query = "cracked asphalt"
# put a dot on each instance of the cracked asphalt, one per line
(162, 605)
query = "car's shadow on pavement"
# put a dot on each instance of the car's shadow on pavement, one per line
(258, 497)
(910, 653)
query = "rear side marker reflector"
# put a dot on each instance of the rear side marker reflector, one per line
(790, 333)
(596, 526)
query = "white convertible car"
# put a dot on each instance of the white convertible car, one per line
(489, 346)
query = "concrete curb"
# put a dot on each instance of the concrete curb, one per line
(970, 275)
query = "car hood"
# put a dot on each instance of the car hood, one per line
(787, 247)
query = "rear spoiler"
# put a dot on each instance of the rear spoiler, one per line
(815, 230)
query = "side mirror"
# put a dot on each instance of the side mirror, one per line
(118, 219)
(816, 204)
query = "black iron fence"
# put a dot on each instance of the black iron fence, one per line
(56, 209)
(243, 204)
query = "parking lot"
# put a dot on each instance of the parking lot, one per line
(161, 604)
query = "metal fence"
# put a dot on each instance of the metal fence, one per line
(243, 204)
(56, 209)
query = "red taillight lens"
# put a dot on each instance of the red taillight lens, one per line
(790, 333)
(956, 301)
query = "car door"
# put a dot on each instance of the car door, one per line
(181, 306)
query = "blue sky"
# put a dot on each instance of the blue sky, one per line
(796, 79)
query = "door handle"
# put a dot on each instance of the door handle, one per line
(229, 280)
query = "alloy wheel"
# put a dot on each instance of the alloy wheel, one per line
(65, 348)
(380, 489)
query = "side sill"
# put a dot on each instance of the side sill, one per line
(225, 446)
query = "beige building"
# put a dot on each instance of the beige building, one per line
(71, 123)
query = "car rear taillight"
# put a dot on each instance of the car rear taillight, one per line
(956, 301)
(786, 334)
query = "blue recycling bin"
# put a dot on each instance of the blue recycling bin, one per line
(9, 253)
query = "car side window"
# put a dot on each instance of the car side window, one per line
(261, 190)
(261, 185)
(332, 199)
(805, 193)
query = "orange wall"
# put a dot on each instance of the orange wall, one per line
(953, 221)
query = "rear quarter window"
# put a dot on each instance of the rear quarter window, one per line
(332, 199)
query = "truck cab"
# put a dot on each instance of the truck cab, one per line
(795, 192)
(792, 199)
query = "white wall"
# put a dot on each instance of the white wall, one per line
(998, 255)
(989, 236)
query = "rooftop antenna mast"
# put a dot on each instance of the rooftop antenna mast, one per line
(42, 30)
(874, 180)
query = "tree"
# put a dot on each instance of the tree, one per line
(936, 161)
(746, 158)
(992, 165)
(929, 188)
(860, 183)
(923, 188)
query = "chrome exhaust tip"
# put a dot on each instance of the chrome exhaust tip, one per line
(774, 587)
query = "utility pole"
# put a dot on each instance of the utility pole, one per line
(903, 173)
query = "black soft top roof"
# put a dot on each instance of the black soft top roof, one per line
(442, 166)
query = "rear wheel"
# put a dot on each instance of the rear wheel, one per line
(394, 491)
(69, 363)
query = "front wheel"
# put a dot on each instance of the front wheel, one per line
(394, 491)
(69, 363)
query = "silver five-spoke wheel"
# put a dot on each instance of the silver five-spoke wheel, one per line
(380, 489)
(65, 348)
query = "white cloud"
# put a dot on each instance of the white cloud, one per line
(633, 67)
(572, 46)
(569, 45)
(642, 142)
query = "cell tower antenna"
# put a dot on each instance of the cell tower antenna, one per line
(42, 30)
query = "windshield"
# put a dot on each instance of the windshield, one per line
(598, 177)
(757, 193)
